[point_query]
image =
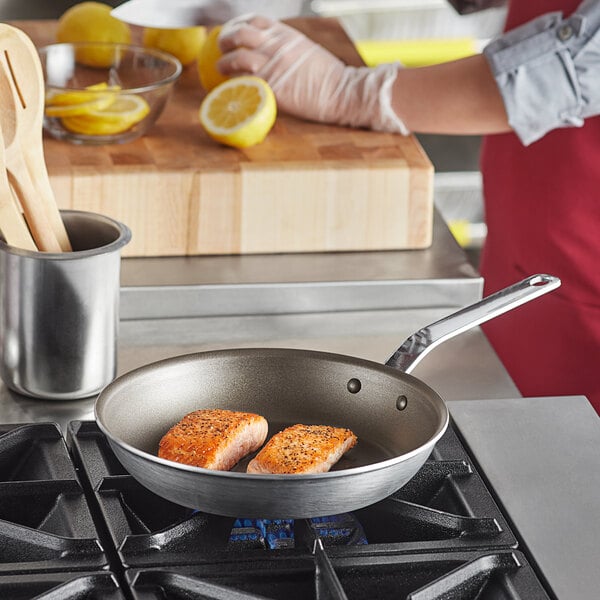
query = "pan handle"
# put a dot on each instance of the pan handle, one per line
(421, 342)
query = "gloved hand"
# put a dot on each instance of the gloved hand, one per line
(308, 81)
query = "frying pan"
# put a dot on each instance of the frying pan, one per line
(397, 418)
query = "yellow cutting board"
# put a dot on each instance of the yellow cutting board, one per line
(415, 53)
(307, 188)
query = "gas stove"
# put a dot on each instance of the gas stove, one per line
(74, 524)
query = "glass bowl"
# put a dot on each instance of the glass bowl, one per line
(101, 93)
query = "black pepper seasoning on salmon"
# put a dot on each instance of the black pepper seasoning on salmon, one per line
(303, 449)
(213, 438)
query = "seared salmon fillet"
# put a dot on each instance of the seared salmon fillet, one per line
(213, 438)
(303, 449)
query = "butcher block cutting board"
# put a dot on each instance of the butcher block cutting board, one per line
(307, 188)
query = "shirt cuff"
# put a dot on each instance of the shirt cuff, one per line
(545, 71)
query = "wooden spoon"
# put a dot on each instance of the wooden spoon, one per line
(21, 79)
(12, 224)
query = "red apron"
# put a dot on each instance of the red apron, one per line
(542, 207)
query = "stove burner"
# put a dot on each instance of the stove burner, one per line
(339, 530)
(278, 534)
(275, 534)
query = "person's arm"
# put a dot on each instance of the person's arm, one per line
(535, 78)
(309, 82)
(459, 97)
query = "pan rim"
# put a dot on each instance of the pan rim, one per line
(122, 380)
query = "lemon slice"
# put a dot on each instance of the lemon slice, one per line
(78, 96)
(82, 108)
(80, 102)
(239, 112)
(120, 115)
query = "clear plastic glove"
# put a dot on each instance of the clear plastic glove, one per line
(308, 81)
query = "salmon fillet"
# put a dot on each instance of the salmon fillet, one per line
(303, 449)
(213, 438)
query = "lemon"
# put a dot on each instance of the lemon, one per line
(184, 44)
(92, 22)
(210, 53)
(240, 112)
(80, 102)
(122, 114)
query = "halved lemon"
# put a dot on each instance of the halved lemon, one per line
(122, 114)
(80, 102)
(239, 112)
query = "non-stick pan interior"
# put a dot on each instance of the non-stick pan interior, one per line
(392, 413)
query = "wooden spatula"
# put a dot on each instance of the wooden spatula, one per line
(21, 79)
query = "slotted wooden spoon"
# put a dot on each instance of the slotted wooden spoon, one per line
(22, 100)
(12, 223)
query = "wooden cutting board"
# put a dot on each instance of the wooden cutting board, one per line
(307, 188)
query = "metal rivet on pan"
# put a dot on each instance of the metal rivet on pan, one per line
(354, 386)
(401, 402)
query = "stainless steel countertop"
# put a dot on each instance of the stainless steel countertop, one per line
(176, 287)
(542, 456)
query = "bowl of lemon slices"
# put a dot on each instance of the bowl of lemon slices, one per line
(104, 93)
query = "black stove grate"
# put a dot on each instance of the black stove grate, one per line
(45, 522)
(62, 586)
(471, 575)
(77, 526)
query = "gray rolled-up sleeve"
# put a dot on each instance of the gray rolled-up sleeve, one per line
(548, 71)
